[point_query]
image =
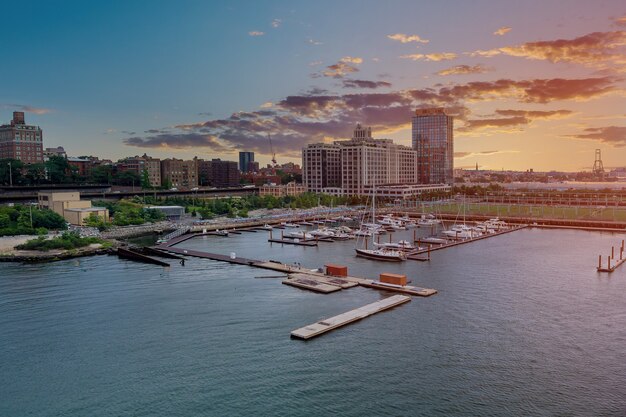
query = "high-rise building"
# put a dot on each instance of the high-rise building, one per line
(180, 173)
(321, 167)
(354, 166)
(21, 141)
(218, 173)
(433, 141)
(245, 160)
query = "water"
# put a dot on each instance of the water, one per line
(522, 325)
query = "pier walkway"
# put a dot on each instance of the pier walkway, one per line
(326, 325)
(414, 255)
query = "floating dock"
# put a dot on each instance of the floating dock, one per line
(405, 289)
(300, 277)
(335, 322)
(308, 282)
(461, 242)
(139, 257)
(610, 268)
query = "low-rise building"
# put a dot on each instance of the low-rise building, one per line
(69, 205)
(281, 190)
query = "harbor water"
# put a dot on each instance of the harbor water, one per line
(522, 325)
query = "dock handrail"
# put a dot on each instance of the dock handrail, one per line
(176, 233)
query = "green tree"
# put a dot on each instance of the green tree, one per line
(59, 170)
(101, 175)
(36, 173)
(14, 173)
(145, 180)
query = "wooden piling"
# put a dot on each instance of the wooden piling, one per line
(613, 252)
(599, 261)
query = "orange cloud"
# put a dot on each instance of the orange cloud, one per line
(536, 114)
(442, 56)
(351, 60)
(463, 70)
(502, 31)
(401, 37)
(593, 49)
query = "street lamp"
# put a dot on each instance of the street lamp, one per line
(10, 175)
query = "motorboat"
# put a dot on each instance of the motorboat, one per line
(219, 232)
(401, 245)
(289, 225)
(267, 227)
(299, 235)
(382, 254)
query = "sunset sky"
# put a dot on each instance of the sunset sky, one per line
(533, 84)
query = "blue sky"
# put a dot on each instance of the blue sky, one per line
(170, 75)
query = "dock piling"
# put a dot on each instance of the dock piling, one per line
(599, 261)
(613, 252)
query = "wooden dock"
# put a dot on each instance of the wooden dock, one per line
(611, 258)
(405, 289)
(308, 283)
(294, 242)
(414, 254)
(298, 276)
(335, 322)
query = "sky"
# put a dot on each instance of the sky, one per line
(532, 84)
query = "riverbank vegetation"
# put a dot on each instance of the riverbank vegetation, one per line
(28, 220)
(67, 241)
(207, 208)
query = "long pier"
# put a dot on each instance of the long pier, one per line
(326, 325)
(610, 268)
(431, 248)
(297, 275)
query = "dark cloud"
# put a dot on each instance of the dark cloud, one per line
(316, 116)
(611, 135)
(126, 132)
(177, 141)
(365, 84)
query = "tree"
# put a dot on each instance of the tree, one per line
(127, 178)
(101, 174)
(58, 169)
(13, 174)
(36, 173)
(145, 180)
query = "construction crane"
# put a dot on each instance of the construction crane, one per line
(269, 137)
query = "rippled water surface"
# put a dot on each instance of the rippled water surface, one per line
(522, 325)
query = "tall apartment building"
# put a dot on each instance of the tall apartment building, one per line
(354, 166)
(21, 141)
(179, 173)
(139, 164)
(433, 140)
(321, 167)
(246, 161)
(218, 173)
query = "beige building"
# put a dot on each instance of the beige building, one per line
(179, 173)
(350, 167)
(280, 190)
(139, 164)
(69, 205)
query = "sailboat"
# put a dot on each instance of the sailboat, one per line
(380, 254)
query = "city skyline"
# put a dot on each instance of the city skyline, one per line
(532, 85)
